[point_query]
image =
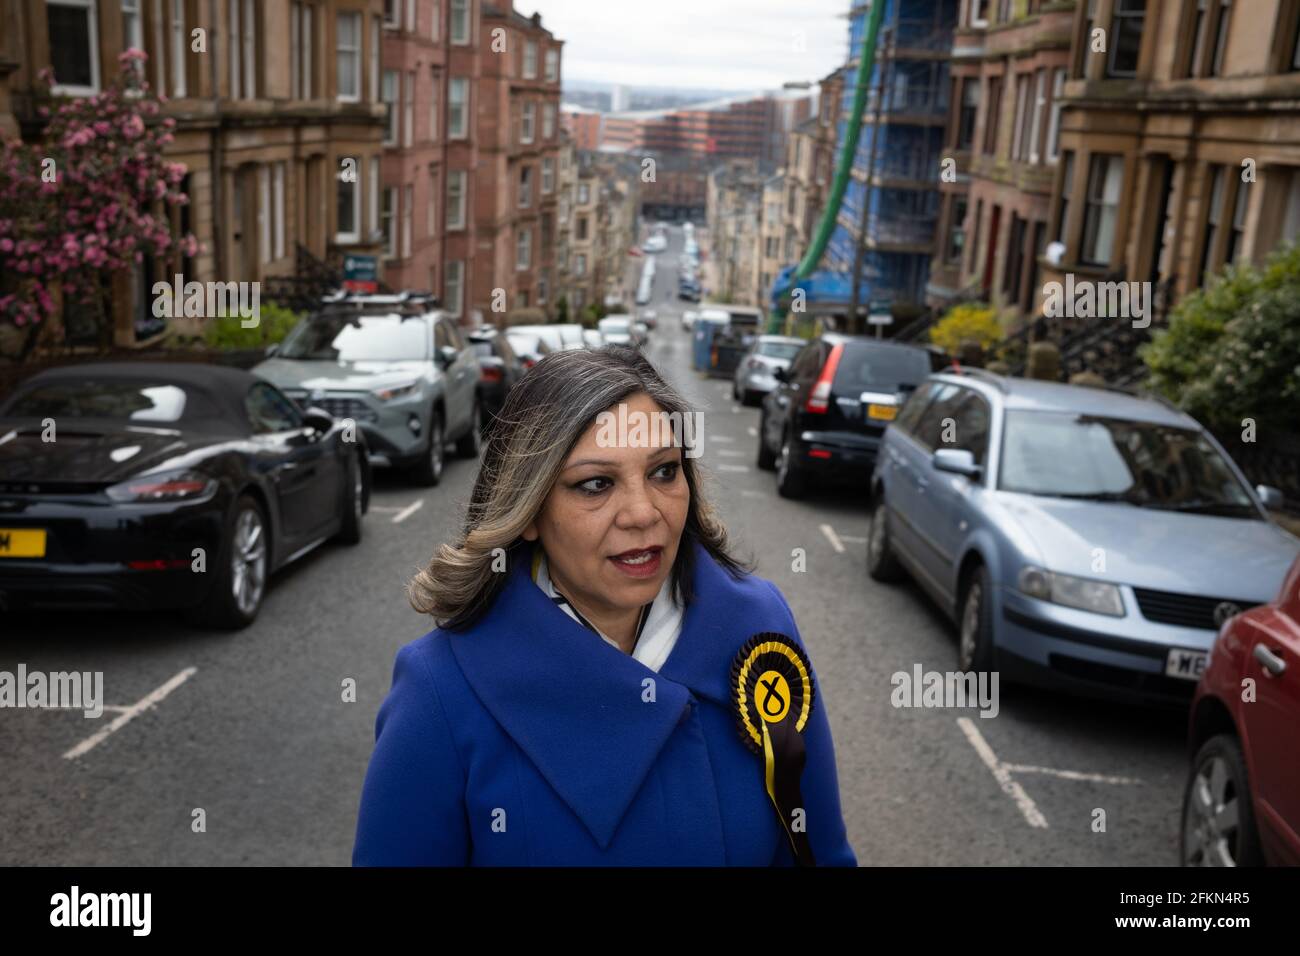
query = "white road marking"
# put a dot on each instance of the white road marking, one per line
(728, 453)
(128, 714)
(409, 510)
(751, 493)
(1002, 774)
(1073, 774)
(833, 538)
(852, 539)
(385, 509)
(732, 467)
(724, 439)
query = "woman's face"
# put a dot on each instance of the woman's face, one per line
(612, 523)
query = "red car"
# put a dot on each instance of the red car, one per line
(1241, 806)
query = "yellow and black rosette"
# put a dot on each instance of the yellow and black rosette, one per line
(773, 691)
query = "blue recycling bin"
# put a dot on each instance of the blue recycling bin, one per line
(705, 330)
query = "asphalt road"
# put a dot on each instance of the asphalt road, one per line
(252, 729)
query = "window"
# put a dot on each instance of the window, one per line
(1213, 211)
(956, 230)
(1014, 268)
(277, 206)
(552, 66)
(348, 201)
(1039, 105)
(970, 104)
(525, 186)
(528, 123)
(389, 222)
(548, 121)
(269, 411)
(456, 199)
(1082, 43)
(979, 13)
(1195, 55)
(432, 219)
(302, 42)
(460, 22)
(975, 239)
(1221, 36)
(1238, 228)
(1295, 47)
(132, 32)
(433, 106)
(264, 212)
(1018, 133)
(180, 47)
(530, 60)
(390, 107)
(412, 23)
(1105, 179)
(580, 229)
(548, 176)
(435, 19)
(584, 194)
(349, 57)
(374, 194)
(457, 108)
(454, 288)
(408, 111)
(1067, 184)
(1054, 123)
(992, 115)
(393, 14)
(1126, 36)
(375, 58)
(408, 213)
(580, 265)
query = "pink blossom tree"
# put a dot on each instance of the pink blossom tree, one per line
(87, 202)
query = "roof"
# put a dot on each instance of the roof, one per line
(1027, 394)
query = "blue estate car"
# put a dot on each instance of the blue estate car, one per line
(1082, 538)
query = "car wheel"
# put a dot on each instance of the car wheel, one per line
(428, 470)
(1218, 827)
(472, 441)
(350, 530)
(766, 457)
(749, 398)
(790, 481)
(882, 563)
(735, 393)
(241, 571)
(975, 648)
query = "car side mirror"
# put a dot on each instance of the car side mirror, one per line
(780, 374)
(447, 356)
(1271, 497)
(957, 461)
(272, 349)
(319, 419)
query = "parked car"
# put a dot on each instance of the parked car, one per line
(688, 320)
(656, 243)
(618, 330)
(755, 374)
(648, 317)
(688, 291)
(592, 338)
(1082, 538)
(155, 466)
(558, 337)
(640, 332)
(400, 369)
(1241, 804)
(499, 370)
(829, 409)
(529, 346)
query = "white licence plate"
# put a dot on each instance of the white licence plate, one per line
(1185, 664)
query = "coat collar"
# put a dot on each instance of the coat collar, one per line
(574, 704)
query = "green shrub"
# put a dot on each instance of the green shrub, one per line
(1232, 350)
(228, 332)
(970, 321)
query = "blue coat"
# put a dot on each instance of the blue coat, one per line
(525, 740)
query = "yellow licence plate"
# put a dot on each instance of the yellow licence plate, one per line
(22, 543)
(884, 412)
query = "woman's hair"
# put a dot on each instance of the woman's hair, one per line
(543, 418)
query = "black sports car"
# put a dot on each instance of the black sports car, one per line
(161, 485)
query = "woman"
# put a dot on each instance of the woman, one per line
(608, 685)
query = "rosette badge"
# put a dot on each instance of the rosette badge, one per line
(773, 691)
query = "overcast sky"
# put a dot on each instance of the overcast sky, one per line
(710, 44)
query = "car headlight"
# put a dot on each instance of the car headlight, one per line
(162, 487)
(1065, 589)
(391, 392)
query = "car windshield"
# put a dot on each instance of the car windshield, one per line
(138, 401)
(481, 349)
(1067, 455)
(358, 338)
(526, 344)
(616, 326)
(779, 350)
(867, 368)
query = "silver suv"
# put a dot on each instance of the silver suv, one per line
(395, 365)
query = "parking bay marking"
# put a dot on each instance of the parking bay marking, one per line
(833, 538)
(409, 510)
(148, 702)
(1002, 774)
